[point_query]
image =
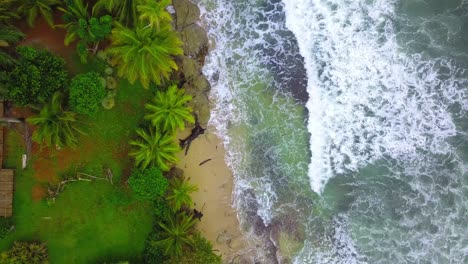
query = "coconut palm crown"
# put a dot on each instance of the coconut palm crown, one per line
(144, 53)
(155, 13)
(179, 193)
(124, 11)
(169, 111)
(30, 9)
(55, 126)
(9, 36)
(154, 149)
(177, 234)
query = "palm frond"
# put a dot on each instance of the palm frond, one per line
(154, 149)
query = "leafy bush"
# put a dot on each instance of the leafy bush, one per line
(161, 208)
(6, 225)
(153, 252)
(148, 183)
(36, 77)
(169, 111)
(79, 24)
(86, 93)
(25, 253)
(201, 253)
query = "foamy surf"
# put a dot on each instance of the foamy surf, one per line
(369, 99)
(384, 140)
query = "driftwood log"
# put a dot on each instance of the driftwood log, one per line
(196, 131)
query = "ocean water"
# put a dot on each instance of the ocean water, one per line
(345, 126)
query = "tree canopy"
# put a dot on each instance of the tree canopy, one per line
(168, 111)
(154, 149)
(55, 126)
(36, 76)
(144, 53)
(148, 184)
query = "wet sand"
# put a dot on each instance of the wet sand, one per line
(219, 223)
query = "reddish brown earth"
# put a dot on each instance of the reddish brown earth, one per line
(50, 38)
(39, 192)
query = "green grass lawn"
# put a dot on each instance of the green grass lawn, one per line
(90, 221)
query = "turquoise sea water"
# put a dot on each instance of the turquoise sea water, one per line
(345, 126)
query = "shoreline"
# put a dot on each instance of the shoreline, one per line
(204, 165)
(214, 180)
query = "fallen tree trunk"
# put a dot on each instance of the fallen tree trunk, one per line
(196, 131)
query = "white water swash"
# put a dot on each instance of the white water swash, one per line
(363, 102)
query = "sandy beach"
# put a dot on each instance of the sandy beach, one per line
(219, 223)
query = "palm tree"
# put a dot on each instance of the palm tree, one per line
(8, 37)
(154, 149)
(177, 233)
(168, 111)
(124, 11)
(30, 9)
(179, 193)
(6, 11)
(155, 12)
(55, 126)
(144, 53)
(75, 10)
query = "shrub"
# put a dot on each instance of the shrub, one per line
(153, 252)
(25, 253)
(37, 75)
(6, 225)
(161, 208)
(148, 184)
(201, 253)
(86, 93)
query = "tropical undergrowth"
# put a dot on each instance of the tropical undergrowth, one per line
(95, 187)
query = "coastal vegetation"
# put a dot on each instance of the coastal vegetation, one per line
(100, 154)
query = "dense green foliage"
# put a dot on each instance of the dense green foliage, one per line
(79, 24)
(176, 234)
(30, 9)
(6, 225)
(201, 253)
(25, 253)
(9, 36)
(86, 93)
(179, 193)
(99, 221)
(169, 111)
(155, 13)
(148, 184)
(90, 222)
(144, 53)
(55, 126)
(124, 11)
(154, 149)
(36, 76)
(7, 11)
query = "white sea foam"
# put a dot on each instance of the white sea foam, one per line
(368, 100)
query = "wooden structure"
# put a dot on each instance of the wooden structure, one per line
(6, 192)
(6, 179)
